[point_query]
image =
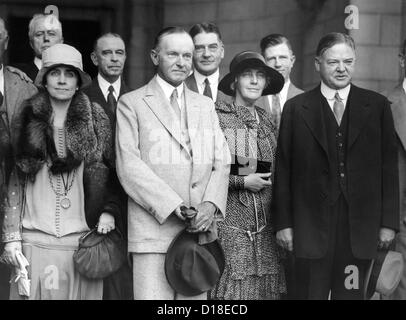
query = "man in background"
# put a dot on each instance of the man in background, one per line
(44, 30)
(397, 97)
(109, 57)
(207, 56)
(278, 54)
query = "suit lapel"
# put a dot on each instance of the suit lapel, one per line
(398, 106)
(191, 83)
(157, 102)
(312, 113)
(359, 112)
(192, 113)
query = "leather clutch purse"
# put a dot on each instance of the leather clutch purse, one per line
(243, 166)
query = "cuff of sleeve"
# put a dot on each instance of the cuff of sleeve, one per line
(13, 236)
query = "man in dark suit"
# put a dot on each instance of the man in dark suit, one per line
(336, 191)
(44, 30)
(207, 56)
(278, 54)
(397, 97)
(109, 56)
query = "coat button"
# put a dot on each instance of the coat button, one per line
(194, 185)
(342, 175)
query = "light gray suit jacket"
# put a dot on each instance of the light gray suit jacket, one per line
(397, 97)
(156, 169)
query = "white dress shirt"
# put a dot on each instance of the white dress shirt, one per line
(104, 86)
(404, 84)
(168, 90)
(213, 81)
(283, 95)
(38, 63)
(329, 94)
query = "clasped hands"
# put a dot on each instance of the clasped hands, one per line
(199, 220)
(285, 238)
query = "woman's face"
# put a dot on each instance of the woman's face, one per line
(61, 83)
(250, 83)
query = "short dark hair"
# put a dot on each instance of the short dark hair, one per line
(272, 40)
(166, 31)
(332, 39)
(206, 27)
(106, 35)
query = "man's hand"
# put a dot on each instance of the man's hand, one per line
(204, 218)
(20, 73)
(285, 238)
(255, 182)
(9, 254)
(386, 237)
(106, 223)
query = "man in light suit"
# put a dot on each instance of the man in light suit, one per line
(109, 56)
(207, 56)
(397, 97)
(336, 193)
(170, 152)
(14, 89)
(278, 54)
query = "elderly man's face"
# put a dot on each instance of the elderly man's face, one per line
(208, 53)
(109, 57)
(173, 57)
(336, 66)
(45, 35)
(3, 41)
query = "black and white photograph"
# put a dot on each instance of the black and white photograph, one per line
(202, 154)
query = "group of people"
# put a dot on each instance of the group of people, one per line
(296, 186)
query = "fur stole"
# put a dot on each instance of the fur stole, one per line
(87, 134)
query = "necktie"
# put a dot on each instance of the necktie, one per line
(111, 100)
(276, 109)
(174, 103)
(338, 108)
(1, 98)
(207, 89)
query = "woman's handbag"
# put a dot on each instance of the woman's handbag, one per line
(100, 255)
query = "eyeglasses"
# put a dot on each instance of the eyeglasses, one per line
(211, 47)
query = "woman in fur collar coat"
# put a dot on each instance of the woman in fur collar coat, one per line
(64, 156)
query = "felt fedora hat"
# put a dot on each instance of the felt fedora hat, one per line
(384, 273)
(62, 55)
(191, 268)
(251, 59)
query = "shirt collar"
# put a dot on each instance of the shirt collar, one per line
(2, 79)
(213, 78)
(404, 84)
(38, 63)
(168, 88)
(329, 93)
(104, 85)
(284, 92)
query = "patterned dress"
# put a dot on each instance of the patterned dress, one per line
(253, 259)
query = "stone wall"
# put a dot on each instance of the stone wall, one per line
(378, 41)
